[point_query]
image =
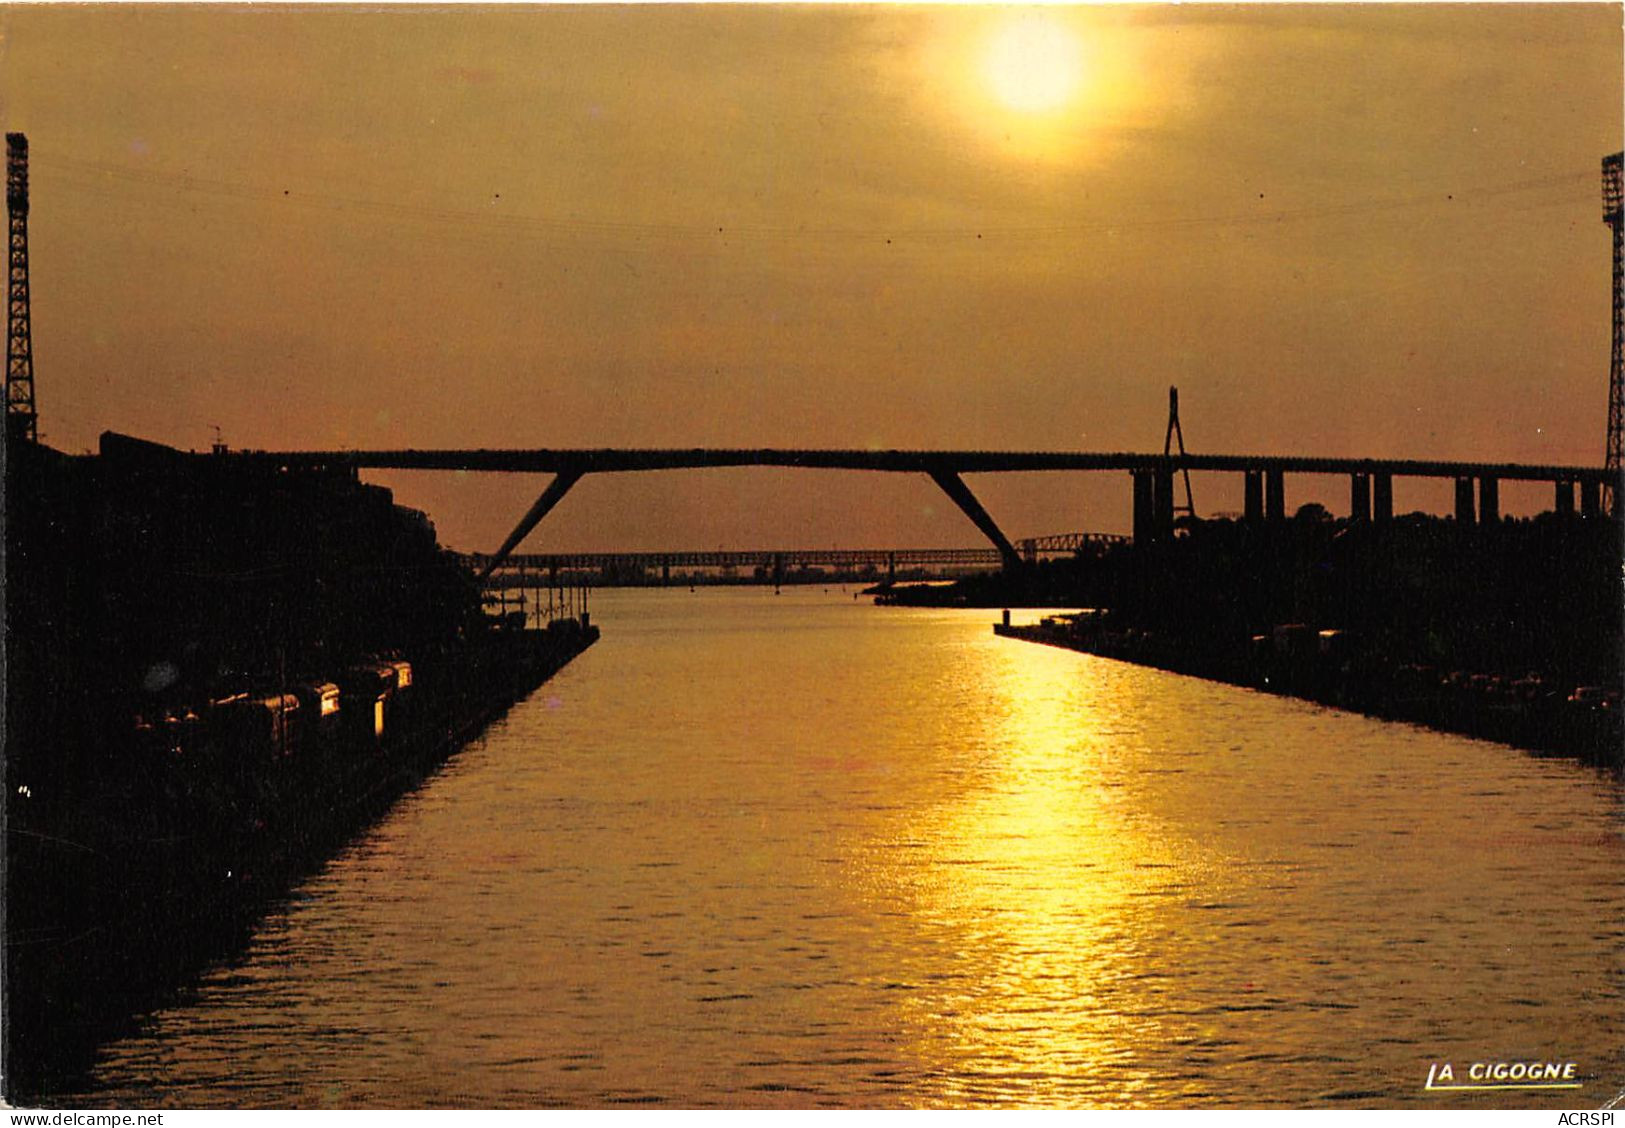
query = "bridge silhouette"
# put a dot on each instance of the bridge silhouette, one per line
(530, 569)
(1477, 484)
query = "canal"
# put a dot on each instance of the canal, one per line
(795, 850)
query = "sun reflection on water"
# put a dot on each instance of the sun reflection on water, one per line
(1031, 878)
(761, 862)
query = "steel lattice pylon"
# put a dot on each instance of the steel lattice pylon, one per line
(21, 417)
(1611, 215)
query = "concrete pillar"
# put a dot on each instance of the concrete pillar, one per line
(1162, 498)
(1144, 510)
(1590, 499)
(1253, 508)
(665, 571)
(1464, 501)
(1564, 503)
(891, 565)
(1359, 497)
(1489, 501)
(1274, 495)
(1383, 504)
(950, 483)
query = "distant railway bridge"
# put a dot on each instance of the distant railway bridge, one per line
(521, 569)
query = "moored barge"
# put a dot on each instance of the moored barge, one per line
(215, 675)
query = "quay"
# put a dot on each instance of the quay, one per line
(1323, 666)
(216, 678)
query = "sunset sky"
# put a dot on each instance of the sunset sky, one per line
(1356, 230)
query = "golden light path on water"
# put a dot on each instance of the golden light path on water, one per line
(799, 851)
(1041, 944)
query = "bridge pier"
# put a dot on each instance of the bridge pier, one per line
(556, 489)
(1359, 497)
(1153, 506)
(1162, 499)
(1489, 500)
(1464, 501)
(1383, 497)
(1563, 504)
(665, 572)
(1274, 495)
(1253, 496)
(956, 489)
(1590, 499)
(1144, 511)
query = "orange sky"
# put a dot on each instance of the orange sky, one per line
(1356, 230)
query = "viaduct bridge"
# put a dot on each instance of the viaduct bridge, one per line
(1477, 484)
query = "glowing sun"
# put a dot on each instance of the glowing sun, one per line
(1034, 64)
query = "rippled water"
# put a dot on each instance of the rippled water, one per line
(758, 850)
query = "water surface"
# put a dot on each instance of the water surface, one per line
(795, 850)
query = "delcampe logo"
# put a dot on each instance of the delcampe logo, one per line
(1480, 1075)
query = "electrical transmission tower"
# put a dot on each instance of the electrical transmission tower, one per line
(1174, 429)
(21, 418)
(1616, 364)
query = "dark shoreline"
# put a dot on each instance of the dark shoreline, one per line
(216, 676)
(196, 899)
(1488, 709)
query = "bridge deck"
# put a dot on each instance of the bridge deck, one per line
(605, 460)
